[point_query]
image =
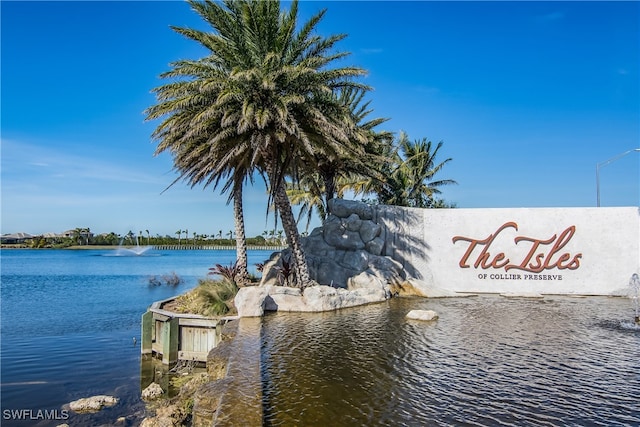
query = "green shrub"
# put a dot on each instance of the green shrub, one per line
(209, 298)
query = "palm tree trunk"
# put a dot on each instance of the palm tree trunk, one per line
(242, 278)
(293, 238)
(329, 179)
(289, 224)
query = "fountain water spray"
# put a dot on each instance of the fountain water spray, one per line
(135, 251)
(634, 284)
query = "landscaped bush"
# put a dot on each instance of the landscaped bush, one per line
(227, 272)
(209, 298)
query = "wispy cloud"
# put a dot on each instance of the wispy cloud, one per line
(21, 159)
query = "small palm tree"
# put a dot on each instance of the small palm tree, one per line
(331, 174)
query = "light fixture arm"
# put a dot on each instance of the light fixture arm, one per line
(605, 163)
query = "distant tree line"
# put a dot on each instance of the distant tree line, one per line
(84, 237)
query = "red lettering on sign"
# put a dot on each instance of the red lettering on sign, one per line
(539, 257)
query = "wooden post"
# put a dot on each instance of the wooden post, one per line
(170, 331)
(147, 331)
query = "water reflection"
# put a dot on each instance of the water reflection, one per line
(152, 370)
(488, 360)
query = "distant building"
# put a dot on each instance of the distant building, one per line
(14, 238)
(21, 237)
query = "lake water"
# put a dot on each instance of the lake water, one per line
(487, 361)
(68, 319)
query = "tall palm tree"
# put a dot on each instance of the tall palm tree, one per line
(409, 176)
(179, 233)
(262, 97)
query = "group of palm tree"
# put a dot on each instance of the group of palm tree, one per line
(203, 237)
(269, 101)
(84, 237)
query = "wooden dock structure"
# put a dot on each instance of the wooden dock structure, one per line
(175, 336)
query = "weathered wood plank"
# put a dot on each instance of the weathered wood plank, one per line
(186, 341)
(209, 323)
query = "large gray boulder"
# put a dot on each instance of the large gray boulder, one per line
(369, 230)
(330, 270)
(337, 233)
(344, 208)
(250, 301)
(282, 298)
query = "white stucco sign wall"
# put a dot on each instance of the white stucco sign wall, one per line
(583, 251)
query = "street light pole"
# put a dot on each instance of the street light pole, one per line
(605, 163)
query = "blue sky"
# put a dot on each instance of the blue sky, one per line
(527, 97)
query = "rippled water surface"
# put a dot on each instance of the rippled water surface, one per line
(68, 323)
(487, 360)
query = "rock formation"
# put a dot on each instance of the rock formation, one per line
(152, 392)
(361, 254)
(426, 315)
(92, 404)
(353, 249)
